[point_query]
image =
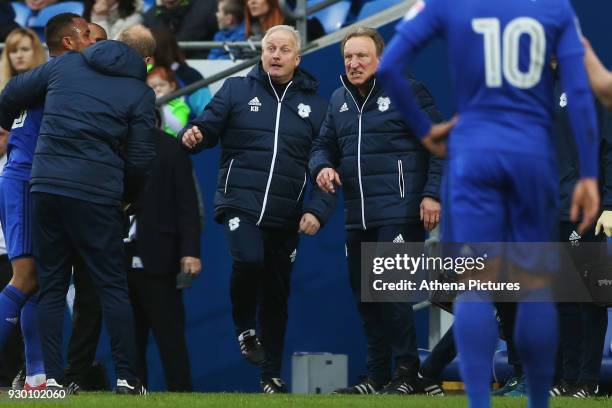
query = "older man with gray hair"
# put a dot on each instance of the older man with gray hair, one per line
(266, 123)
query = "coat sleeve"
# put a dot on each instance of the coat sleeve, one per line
(320, 204)
(23, 91)
(434, 171)
(140, 145)
(213, 120)
(188, 217)
(324, 152)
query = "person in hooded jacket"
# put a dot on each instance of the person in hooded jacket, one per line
(265, 123)
(391, 194)
(94, 138)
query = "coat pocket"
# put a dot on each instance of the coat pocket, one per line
(302, 189)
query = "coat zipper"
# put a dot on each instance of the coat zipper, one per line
(276, 126)
(360, 110)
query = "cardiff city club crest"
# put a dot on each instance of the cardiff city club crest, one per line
(304, 110)
(383, 103)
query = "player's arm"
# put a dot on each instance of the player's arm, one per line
(581, 110)
(422, 23)
(599, 76)
(23, 91)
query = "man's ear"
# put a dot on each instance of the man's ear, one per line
(67, 43)
(298, 59)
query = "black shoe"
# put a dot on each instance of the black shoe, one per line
(273, 386)
(403, 383)
(563, 389)
(19, 380)
(134, 387)
(251, 348)
(71, 389)
(365, 386)
(586, 391)
(428, 386)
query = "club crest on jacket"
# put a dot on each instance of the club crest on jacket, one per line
(383, 103)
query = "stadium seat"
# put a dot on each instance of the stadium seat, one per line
(147, 4)
(332, 17)
(48, 12)
(22, 13)
(372, 7)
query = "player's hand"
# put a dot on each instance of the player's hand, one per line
(586, 201)
(604, 223)
(309, 224)
(326, 179)
(435, 140)
(192, 137)
(191, 266)
(430, 213)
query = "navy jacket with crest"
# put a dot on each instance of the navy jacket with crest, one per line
(265, 140)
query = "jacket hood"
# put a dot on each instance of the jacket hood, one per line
(301, 78)
(116, 58)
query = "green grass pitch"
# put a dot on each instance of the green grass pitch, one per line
(172, 400)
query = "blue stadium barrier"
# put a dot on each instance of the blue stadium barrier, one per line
(332, 17)
(22, 13)
(372, 7)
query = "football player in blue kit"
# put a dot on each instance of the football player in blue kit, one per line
(18, 300)
(501, 182)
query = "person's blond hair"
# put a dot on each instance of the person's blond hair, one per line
(294, 33)
(6, 69)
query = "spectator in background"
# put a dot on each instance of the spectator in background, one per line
(260, 15)
(163, 254)
(169, 55)
(175, 113)
(113, 15)
(187, 20)
(37, 5)
(22, 52)
(7, 20)
(230, 18)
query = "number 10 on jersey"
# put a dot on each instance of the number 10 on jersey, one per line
(509, 45)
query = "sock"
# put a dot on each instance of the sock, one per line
(31, 339)
(536, 341)
(475, 331)
(11, 302)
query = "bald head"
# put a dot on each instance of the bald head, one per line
(97, 33)
(140, 38)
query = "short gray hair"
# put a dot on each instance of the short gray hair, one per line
(140, 38)
(289, 29)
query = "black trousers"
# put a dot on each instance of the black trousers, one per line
(389, 326)
(86, 327)
(11, 358)
(158, 307)
(582, 325)
(259, 288)
(442, 355)
(62, 229)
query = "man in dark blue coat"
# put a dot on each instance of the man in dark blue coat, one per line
(265, 123)
(390, 184)
(99, 115)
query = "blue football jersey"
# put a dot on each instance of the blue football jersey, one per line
(22, 143)
(500, 53)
